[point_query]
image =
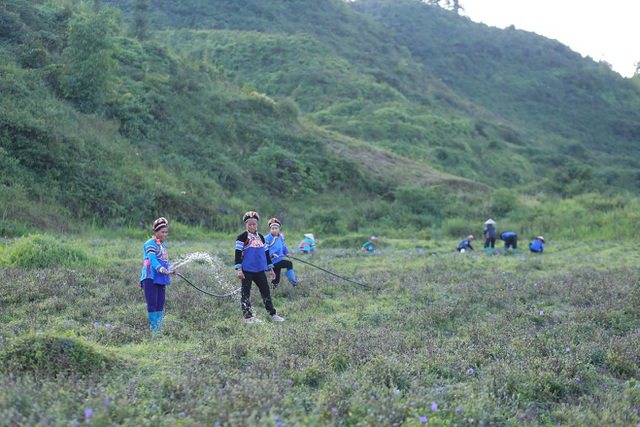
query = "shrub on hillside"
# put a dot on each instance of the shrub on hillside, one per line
(38, 251)
(52, 356)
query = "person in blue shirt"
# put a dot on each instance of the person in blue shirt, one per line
(278, 250)
(489, 234)
(155, 273)
(252, 259)
(308, 244)
(510, 240)
(537, 245)
(465, 245)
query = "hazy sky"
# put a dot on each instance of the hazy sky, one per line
(604, 30)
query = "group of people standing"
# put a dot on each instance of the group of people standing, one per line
(510, 239)
(255, 255)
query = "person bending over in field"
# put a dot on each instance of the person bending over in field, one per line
(465, 245)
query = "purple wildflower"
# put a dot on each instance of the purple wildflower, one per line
(567, 349)
(423, 419)
(541, 313)
(88, 413)
(107, 325)
(458, 409)
(471, 371)
(434, 406)
(95, 325)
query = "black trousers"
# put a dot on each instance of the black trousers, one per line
(260, 279)
(490, 241)
(277, 267)
(511, 241)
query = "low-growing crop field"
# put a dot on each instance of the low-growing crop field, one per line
(427, 336)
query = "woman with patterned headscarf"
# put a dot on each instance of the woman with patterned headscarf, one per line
(252, 259)
(278, 251)
(155, 273)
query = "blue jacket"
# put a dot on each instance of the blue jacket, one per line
(537, 246)
(277, 247)
(465, 245)
(307, 245)
(507, 234)
(252, 253)
(155, 255)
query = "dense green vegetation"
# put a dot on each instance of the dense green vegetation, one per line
(440, 339)
(398, 119)
(334, 115)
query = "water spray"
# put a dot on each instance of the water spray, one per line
(217, 267)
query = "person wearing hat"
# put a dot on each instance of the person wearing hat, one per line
(510, 240)
(278, 250)
(252, 259)
(489, 234)
(368, 246)
(465, 245)
(537, 245)
(155, 273)
(308, 244)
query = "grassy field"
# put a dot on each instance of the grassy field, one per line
(437, 338)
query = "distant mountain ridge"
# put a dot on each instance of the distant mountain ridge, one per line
(413, 111)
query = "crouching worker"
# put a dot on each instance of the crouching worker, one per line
(537, 245)
(368, 246)
(308, 244)
(510, 240)
(465, 245)
(278, 250)
(252, 259)
(155, 273)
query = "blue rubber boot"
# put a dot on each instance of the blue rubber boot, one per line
(159, 320)
(291, 275)
(153, 321)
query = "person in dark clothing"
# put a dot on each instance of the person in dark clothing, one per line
(465, 245)
(490, 235)
(510, 240)
(537, 245)
(252, 259)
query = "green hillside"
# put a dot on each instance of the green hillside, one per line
(333, 115)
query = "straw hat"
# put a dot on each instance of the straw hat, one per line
(541, 238)
(309, 235)
(489, 221)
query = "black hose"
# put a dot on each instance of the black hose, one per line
(327, 271)
(205, 292)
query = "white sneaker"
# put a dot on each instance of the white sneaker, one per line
(253, 320)
(277, 318)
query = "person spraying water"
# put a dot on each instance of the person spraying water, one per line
(155, 273)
